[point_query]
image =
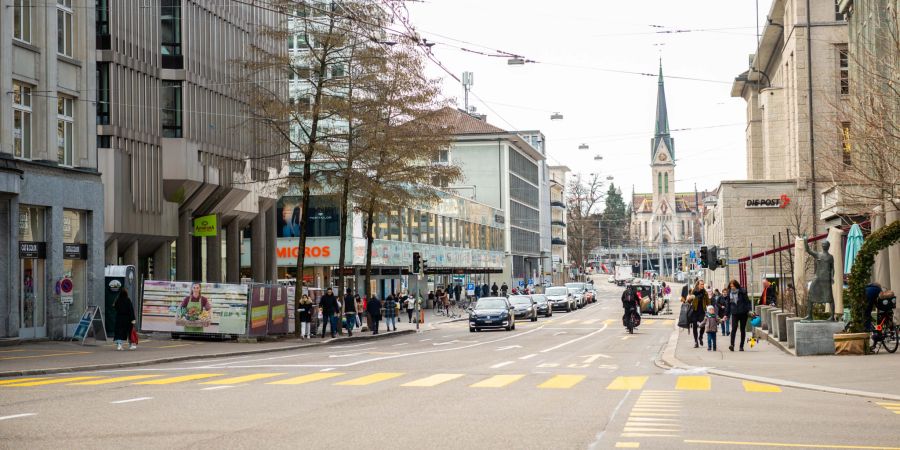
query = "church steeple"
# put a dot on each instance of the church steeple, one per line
(661, 132)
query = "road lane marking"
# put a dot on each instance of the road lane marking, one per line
(130, 400)
(562, 382)
(20, 380)
(179, 379)
(573, 340)
(445, 343)
(497, 381)
(308, 378)
(649, 322)
(625, 338)
(546, 365)
(559, 333)
(327, 369)
(46, 381)
(643, 414)
(508, 347)
(244, 379)
(638, 419)
(16, 416)
(499, 365)
(402, 343)
(628, 429)
(570, 322)
(693, 383)
(628, 444)
(591, 358)
(634, 435)
(528, 356)
(113, 380)
(43, 356)
(175, 345)
(627, 383)
(433, 380)
(216, 388)
(790, 445)
(370, 379)
(751, 386)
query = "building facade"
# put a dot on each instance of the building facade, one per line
(558, 224)
(176, 143)
(51, 196)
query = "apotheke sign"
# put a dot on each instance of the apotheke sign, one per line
(779, 202)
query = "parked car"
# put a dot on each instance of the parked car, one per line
(560, 299)
(492, 312)
(524, 306)
(543, 305)
(577, 291)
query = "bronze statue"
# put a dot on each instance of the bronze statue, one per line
(820, 286)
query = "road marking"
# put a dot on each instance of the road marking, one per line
(308, 378)
(545, 365)
(433, 380)
(693, 383)
(499, 365)
(751, 386)
(647, 435)
(20, 380)
(445, 343)
(608, 366)
(424, 340)
(625, 338)
(628, 429)
(559, 333)
(16, 416)
(591, 321)
(327, 369)
(497, 381)
(528, 356)
(649, 322)
(172, 380)
(627, 383)
(573, 340)
(562, 382)
(175, 345)
(570, 322)
(784, 444)
(402, 343)
(114, 380)
(628, 444)
(643, 414)
(244, 379)
(46, 381)
(508, 347)
(591, 358)
(43, 356)
(578, 366)
(370, 379)
(637, 419)
(216, 388)
(130, 400)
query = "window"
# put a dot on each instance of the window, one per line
(170, 108)
(844, 67)
(845, 143)
(443, 156)
(838, 15)
(64, 31)
(659, 183)
(65, 126)
(22, 20)
(667, 182)
(170, 34)
(102, 93)
(21, 121)
(337, 71)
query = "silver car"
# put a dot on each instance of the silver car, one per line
(560, 298)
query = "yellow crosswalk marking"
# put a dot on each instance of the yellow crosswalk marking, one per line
(887, 403)
(18, 380)
(562, 382)
(693, 383)
(498, 381)
(308, 378)
(433, 380)
(654, 414)
(244, 379)
(627, 383)
(182, 378)
(113, 380)
(370, 379)
(46, 381)
(647, 435)
(751, 386)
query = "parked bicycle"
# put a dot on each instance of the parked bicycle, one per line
(886, 332)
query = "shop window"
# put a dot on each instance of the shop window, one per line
(74, 230)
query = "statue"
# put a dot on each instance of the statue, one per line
(820, 286)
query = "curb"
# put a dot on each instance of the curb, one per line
(666, 360)
(51, 371)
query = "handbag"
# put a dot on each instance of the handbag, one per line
(684, 318)
(134, 336)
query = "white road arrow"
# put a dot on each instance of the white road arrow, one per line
(591, 358)
(500, 349)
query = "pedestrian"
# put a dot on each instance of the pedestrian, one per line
(445, 302)
(330, 309)
(397, 307)
(495, 290)
(769, 294)
(504, 289)
(305, 309)
(350, 311)
(711, 323)
(431, 299)
(723, 310)
(390, 314)
(457, 292)
(360, 310)
(124, 320)
(667, 295)
(486, 290)
(410, 304)
(698, 305)
(740, 309)
(872, 291)
(374, 310)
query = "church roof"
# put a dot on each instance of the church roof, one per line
(661, 130)
(685, 202)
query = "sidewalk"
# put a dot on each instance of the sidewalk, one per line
(869, 375)
(47, 357)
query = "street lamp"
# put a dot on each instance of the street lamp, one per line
(583, 147)
(556, 116)
(598, 158)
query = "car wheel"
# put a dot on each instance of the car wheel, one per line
(569, 308)
(478, 330)
(534, 317)
(471, 329)
(508, 327)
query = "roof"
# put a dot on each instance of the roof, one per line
(684, 201)
(661, 131)
(460, 122)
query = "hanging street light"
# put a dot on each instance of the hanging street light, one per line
(556, 116)
(583, 147)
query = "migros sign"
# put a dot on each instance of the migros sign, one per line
(315, 251)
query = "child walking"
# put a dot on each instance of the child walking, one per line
(711, 323)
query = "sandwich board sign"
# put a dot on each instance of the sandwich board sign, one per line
(92, 319)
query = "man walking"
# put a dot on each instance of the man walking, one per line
(410, 303)
(504, 289)
(374, 310)
(350, 311)
(330, 307)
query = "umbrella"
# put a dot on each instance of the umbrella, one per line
(854, 243)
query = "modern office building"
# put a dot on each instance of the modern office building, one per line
(51, 196)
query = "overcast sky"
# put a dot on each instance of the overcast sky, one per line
(572, 40)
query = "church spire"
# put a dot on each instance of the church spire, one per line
(661, 132)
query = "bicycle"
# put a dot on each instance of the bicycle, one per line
(886, 333)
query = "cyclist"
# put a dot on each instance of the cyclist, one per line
(630, 303)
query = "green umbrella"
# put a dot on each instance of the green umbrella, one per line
(854, 243)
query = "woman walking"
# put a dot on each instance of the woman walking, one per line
(124, 319)
(698, 306)
(740, 308)
(390, 312)
(305, 309)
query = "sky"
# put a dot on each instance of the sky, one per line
(578, 45)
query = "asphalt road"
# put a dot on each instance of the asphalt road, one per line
(574, 381)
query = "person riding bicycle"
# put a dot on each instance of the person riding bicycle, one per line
(630, 303)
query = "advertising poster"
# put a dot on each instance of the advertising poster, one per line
(259, 309)
(268, 310)
(202, 308)
(278, 310)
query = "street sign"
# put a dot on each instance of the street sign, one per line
(470, 289)
(732, 261)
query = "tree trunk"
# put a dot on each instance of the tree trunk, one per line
(370, 214)
(342, 259)
(301, 246)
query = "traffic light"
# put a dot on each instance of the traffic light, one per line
(417, 262)
(424, 266)
(704, 257)
(713, 262)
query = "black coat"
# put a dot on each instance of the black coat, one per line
(373, 307)
(329, 304)
(124, 315)
(743, 305)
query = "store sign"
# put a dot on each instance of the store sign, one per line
(205, 226)
(499, 218)
(32, 250)
(74, 251)
(320, 251)
(779, 202)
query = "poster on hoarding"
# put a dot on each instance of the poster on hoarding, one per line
(202, 308)
(278, 310)
(268, 310)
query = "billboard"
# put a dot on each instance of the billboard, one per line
(268, 310)
(186, 307)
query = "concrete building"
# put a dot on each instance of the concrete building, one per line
(175, 139)
(558, 224)
(51, 196)
(545, 267)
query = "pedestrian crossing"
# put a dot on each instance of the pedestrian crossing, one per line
(893, 407)
(540, 381)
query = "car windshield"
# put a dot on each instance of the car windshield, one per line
(575, 286)
(557, 291)
(539, 298)
(520, 300)
(491, 303)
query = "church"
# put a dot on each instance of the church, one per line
(665, 217)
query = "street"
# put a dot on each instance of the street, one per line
(576, 380)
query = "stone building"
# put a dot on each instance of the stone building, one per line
(558, 227)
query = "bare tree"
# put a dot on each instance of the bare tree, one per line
(585, 197)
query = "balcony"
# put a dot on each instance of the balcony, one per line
(558, 223)
(557, 241)
(558, 204)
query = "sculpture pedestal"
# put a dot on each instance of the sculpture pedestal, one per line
(815, 338)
